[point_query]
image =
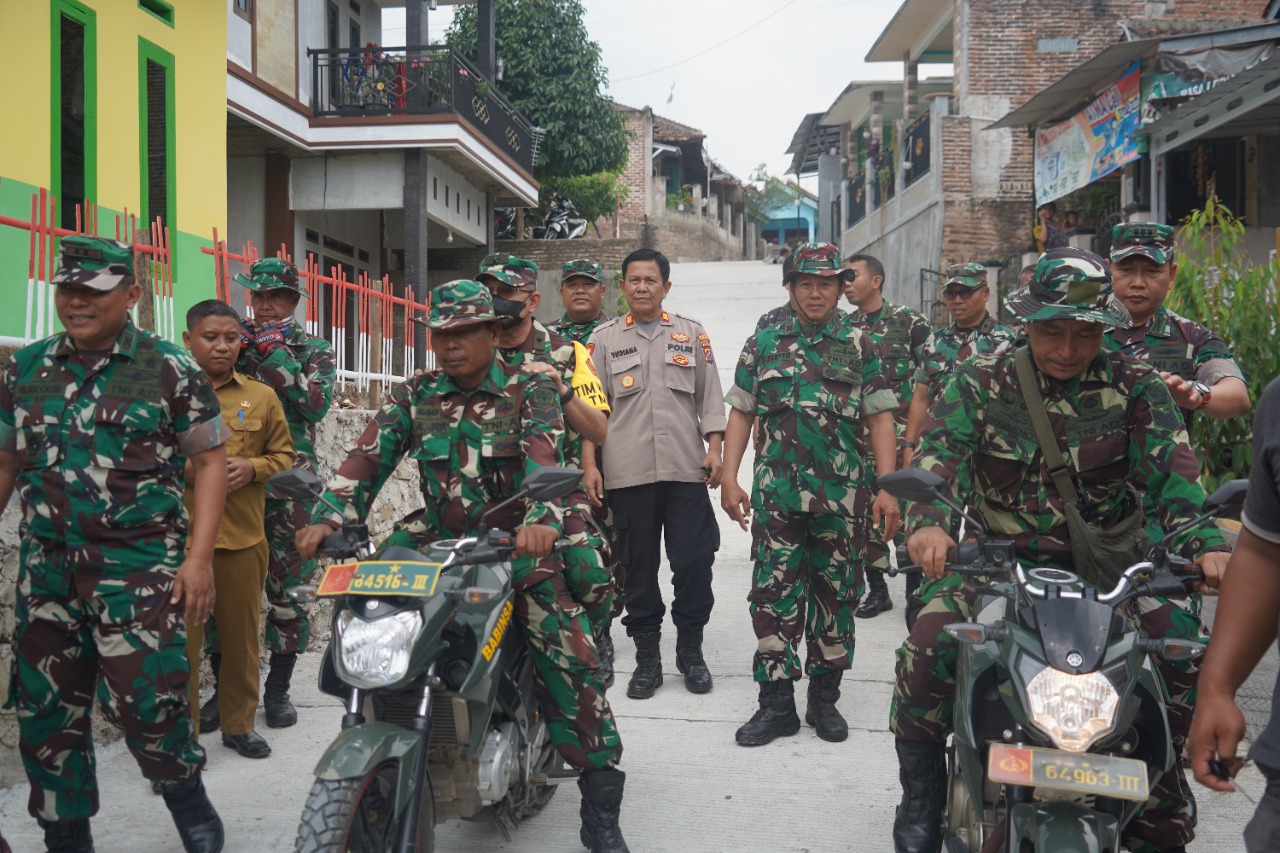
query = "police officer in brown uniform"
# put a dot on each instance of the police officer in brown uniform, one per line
(661, 455)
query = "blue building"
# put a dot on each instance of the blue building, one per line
(797, 221)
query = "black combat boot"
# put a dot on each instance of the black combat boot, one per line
(601, 803)
(824, 692)
(279, 710)
(777, 716)
(877, 600)
(648, 675)
(604, 651)
(209, 719)
(922, 770)
(697, 678)
(198, 824)
(66, 836)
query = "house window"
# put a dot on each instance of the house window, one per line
(75, 130)
(156, 134)
(158, 9)
(243, 8)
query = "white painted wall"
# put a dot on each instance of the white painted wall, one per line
(456, 203)
(348, 182)
(239, 38)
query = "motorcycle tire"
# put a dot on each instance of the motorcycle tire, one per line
(355, 815)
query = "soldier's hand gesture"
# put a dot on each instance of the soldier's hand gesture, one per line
(886, 515)
(535, 540)
(193, 585)
(928, 547)
(736, 502)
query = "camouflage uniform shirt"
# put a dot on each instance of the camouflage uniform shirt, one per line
(899, 335)
(811, 387)
(302, 374)
(101, 451)
(1120, 426)
(950, 345)
(1173, 344)
(579, 332)
(473, 449)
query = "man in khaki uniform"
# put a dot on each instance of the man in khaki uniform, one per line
(258, 446)
(660, 457)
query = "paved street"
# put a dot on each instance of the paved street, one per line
(689, 788)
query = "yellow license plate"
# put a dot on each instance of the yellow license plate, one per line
(1102, 775)
(380, 578)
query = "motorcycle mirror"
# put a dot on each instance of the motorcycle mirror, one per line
(1227, 499)
(296, 484)
(550, 482)
(913, 484)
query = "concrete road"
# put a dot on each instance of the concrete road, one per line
(689, 786)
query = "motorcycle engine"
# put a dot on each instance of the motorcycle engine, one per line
(497, 763)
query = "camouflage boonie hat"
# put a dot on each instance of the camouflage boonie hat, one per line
(272, 274)
(970, 275)
(459, 303)
(94, 262)
(1149, 239)
(815, 259)
(582, 267)
(1069, 284)
(510, 270)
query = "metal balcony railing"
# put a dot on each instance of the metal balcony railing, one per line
(421, 80)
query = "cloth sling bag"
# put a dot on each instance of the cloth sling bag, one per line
(1100, 556)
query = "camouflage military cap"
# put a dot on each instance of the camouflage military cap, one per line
(815, 259)
(94, 262)
(1069, 284)
(582, 267)
(459, 303)
(272, 274)
(970, 275)
(1148, 239)
(510, 270)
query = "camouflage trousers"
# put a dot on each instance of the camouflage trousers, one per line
(805, 585)
(588, 565)
(924, 692)
(288, 621)
(128, 644)
(579, 720)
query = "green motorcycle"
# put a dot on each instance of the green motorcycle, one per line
(1060, 721)
(442, 719)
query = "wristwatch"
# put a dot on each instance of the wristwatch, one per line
(1206, 393)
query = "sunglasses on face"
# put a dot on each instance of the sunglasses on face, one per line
(958, 294)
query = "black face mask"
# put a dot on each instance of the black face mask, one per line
(508, 311)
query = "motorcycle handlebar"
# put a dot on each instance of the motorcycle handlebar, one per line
(964, 559)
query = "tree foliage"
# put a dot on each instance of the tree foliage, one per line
(771, 196)
(552, 73)
(594, 196)
(1218, 285)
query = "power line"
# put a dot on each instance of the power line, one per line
(777, 11)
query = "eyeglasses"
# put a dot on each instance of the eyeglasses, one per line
(965, 294)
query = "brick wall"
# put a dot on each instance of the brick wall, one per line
(639, 168)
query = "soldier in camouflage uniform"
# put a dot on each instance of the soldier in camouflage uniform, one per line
(972, 331)
(96, 424)
(814, 382)
(300, 368)
(525, 342)
(1201, 375)
(582, 292)
(1120, 428)
(899, 335)
(477, 427)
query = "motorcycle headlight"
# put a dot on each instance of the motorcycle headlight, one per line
(375, 654)
(1073, 710)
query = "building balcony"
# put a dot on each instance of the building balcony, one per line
(418, 81)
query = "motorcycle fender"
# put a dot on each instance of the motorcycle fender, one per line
(355, 752)
(1063, 826)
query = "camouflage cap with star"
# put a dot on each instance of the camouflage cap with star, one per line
(95, 262)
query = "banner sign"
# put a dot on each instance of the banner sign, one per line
(1094, 142)
(1187, 73)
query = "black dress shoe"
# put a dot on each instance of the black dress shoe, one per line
(249, 744)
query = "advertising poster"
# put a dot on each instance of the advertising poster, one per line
(1094, 142)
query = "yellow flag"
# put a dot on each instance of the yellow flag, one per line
(586, 382)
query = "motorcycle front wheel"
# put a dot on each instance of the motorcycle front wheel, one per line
(358, 815)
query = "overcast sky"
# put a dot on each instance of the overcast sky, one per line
(745, 72)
